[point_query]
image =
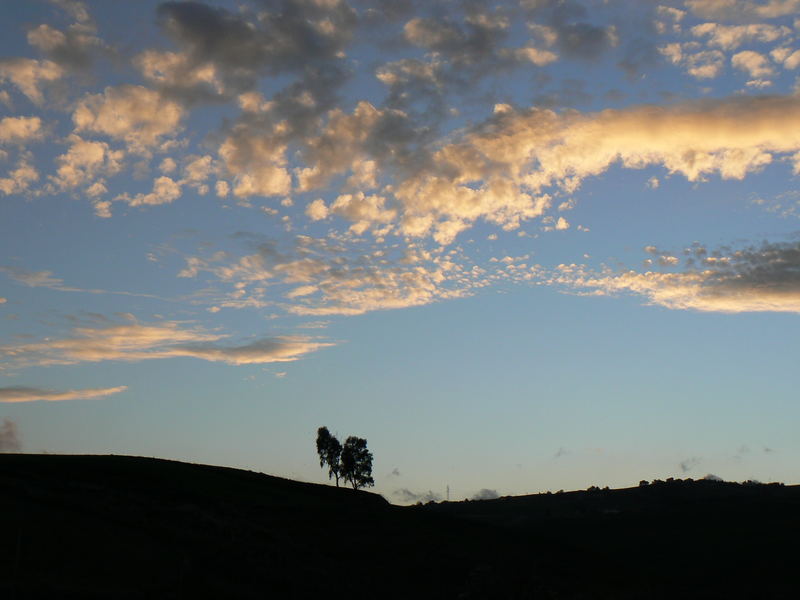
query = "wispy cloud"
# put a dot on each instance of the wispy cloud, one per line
(46, 279)
(135, 342)
(756, 278)
(15, 394)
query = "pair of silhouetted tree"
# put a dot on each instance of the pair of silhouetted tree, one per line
(351, 462)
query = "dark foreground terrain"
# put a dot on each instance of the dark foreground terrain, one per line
(126, 527)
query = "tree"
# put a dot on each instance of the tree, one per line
(356, 463)
(330, 451)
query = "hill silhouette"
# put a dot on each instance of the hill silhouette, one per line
(130, 527)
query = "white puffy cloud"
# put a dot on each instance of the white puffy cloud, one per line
(788, 57)
(16, 394)
(28, 75)
(84, 161)
(256, 160)
(364, 211)
(138, 115)
(165, 191)
(18, 130)
(753, 63)
(341, 145)
(316, 210)
(743, 10)
(700, 64)
(20, 178)
(730, 37)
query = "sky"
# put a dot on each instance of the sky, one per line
(517, 246)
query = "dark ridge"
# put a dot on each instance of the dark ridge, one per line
(129, 527)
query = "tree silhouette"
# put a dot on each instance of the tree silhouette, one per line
(356, 463)
(330, 451)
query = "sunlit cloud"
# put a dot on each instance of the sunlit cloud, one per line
(134, 342)
(138, 115)
(762, 278)
(15, 394)
(30, 75)
(742, 10)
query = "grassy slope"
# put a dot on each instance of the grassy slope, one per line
(115, 526)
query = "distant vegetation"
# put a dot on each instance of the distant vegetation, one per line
(351, 462)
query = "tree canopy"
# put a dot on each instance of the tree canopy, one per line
(356, 462)
(330, 451)
(351, 462)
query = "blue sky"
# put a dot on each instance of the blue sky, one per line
(518, 246)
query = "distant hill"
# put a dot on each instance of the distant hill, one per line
(128, 527)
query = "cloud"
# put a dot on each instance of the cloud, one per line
(742, 10)
(486, 494)
(730, 37)
(46, 279)
(135, 342)
(503, 170)
(133, 113)
(472, 41)
(85, 161)
(224, 53)
(762, 278)
(754, 64)
(29, 75)
(29, 394)
(324, 277)
(689, 464)
(72, 49)
(9, 436)
(18, 130)
(165, 191)
(407, 496)
(700, 64)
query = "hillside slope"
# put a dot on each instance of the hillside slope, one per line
(128, 527)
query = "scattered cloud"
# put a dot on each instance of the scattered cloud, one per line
(135, 114)
(762, 278)
(19, 130)
(754, 64)
(689, 464)
(30, 75)
(29, 394)
(742, 10)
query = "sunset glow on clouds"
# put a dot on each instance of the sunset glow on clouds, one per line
(189, 188)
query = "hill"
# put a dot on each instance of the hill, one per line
(128, 527)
